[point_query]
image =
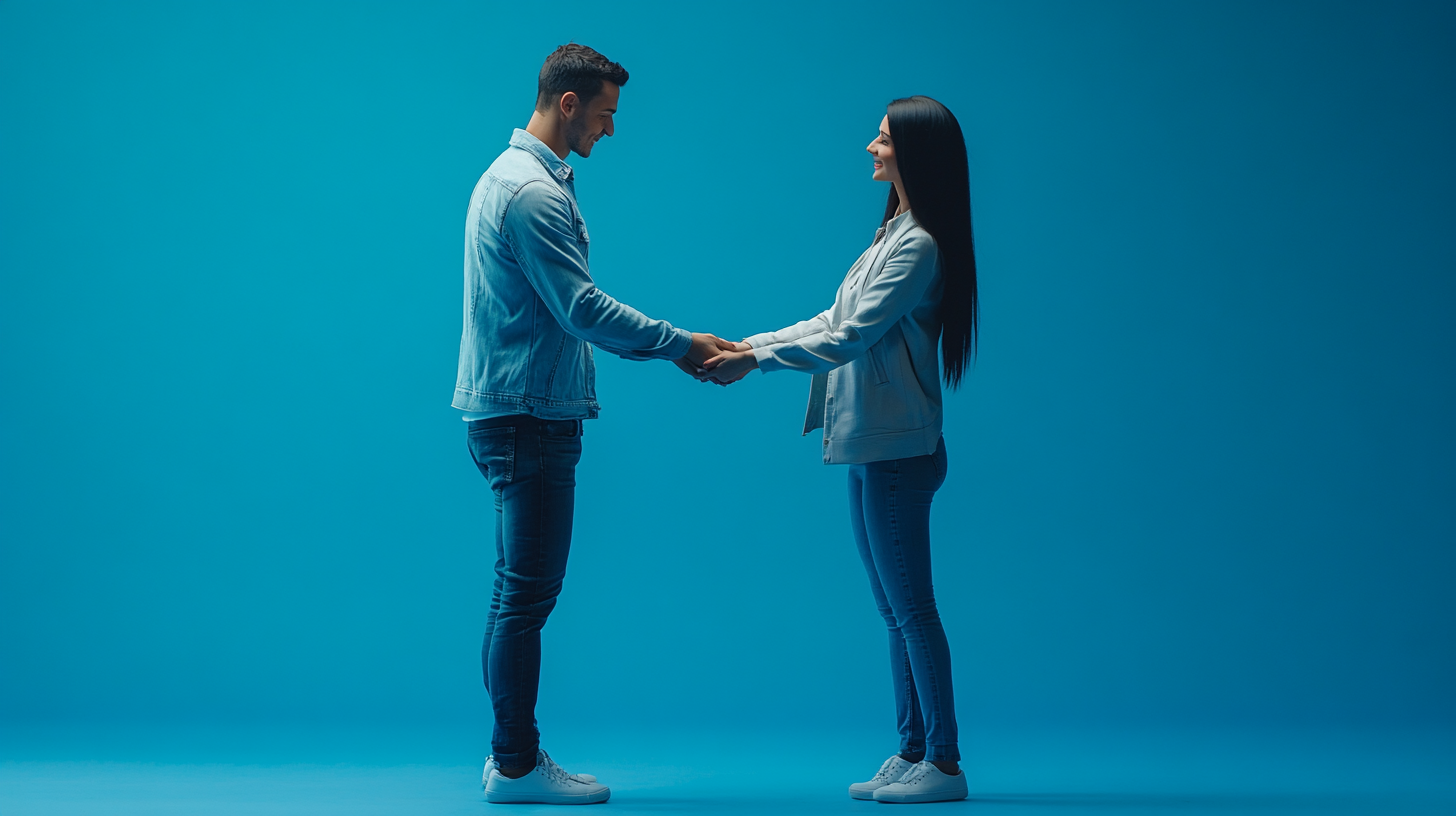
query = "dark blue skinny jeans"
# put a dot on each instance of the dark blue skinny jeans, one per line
(530, 465)
(889, 509)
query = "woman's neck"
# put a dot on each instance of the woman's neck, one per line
(904, 202)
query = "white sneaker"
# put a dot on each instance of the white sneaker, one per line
(490, 764)
(893, 769)
(924, 783)
(546, 784)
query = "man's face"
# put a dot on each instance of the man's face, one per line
(586, 124)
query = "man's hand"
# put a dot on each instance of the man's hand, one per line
(704, 347)
(690, 369)
(730, 366)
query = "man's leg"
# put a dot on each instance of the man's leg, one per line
(537, 504)
(495, 591)
(486, 444)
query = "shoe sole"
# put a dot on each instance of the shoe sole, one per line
(921, 798)
(497, 798)
(861, 795)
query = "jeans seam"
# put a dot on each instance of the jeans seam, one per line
(511, 457)
(905, 590)
(540, 569)
(912, 705)
(911, 701)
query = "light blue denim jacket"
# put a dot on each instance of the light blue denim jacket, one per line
(531, 307)
(874, 354)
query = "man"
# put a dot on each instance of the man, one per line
(526, 381)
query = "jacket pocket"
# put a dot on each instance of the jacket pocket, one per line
(582, 237)
(877, 363)
(590, 365)
(555, 365)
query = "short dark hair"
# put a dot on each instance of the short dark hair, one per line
(578, 69)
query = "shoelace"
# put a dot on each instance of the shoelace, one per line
(916, 773)
(887, 773)
(555, 772)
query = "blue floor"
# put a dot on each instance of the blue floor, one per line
(278, 771)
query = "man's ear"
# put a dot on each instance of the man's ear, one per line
(568, 104)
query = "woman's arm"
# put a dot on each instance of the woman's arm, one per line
(902, 282)
(804, 328)
(788, 334)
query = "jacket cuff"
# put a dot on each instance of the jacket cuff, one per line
(766, 360)
(759, 340)
(679, 348)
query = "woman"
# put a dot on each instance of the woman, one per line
(876, 393)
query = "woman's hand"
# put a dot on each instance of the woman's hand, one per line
(730, 366)
(705, 346)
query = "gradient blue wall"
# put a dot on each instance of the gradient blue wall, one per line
(1203, 471)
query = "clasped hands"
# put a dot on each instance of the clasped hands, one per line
(713, 359)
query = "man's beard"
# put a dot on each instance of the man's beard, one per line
(576, 137)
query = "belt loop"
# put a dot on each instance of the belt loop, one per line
(580, 427)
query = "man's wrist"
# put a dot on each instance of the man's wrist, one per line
(683, 345)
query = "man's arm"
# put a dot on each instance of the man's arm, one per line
(541, 231)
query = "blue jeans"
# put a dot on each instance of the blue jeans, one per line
(889, 509)
(530, 465)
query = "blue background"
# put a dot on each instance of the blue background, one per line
(1201, 476)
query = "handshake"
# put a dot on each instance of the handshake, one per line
(713, 359)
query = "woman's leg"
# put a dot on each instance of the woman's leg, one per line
(907, 705)
(896, 500)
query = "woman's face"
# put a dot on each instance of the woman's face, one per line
(884, 153)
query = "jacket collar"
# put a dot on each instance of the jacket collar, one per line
(902, 221)
(538, 148)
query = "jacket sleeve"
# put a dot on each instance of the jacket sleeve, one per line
(903, 280)
(803, 328)
(541, 230)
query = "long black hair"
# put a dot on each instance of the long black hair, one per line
(931, 154)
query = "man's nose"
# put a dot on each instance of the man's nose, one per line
(610, 127)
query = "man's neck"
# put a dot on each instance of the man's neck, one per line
(549, 131)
